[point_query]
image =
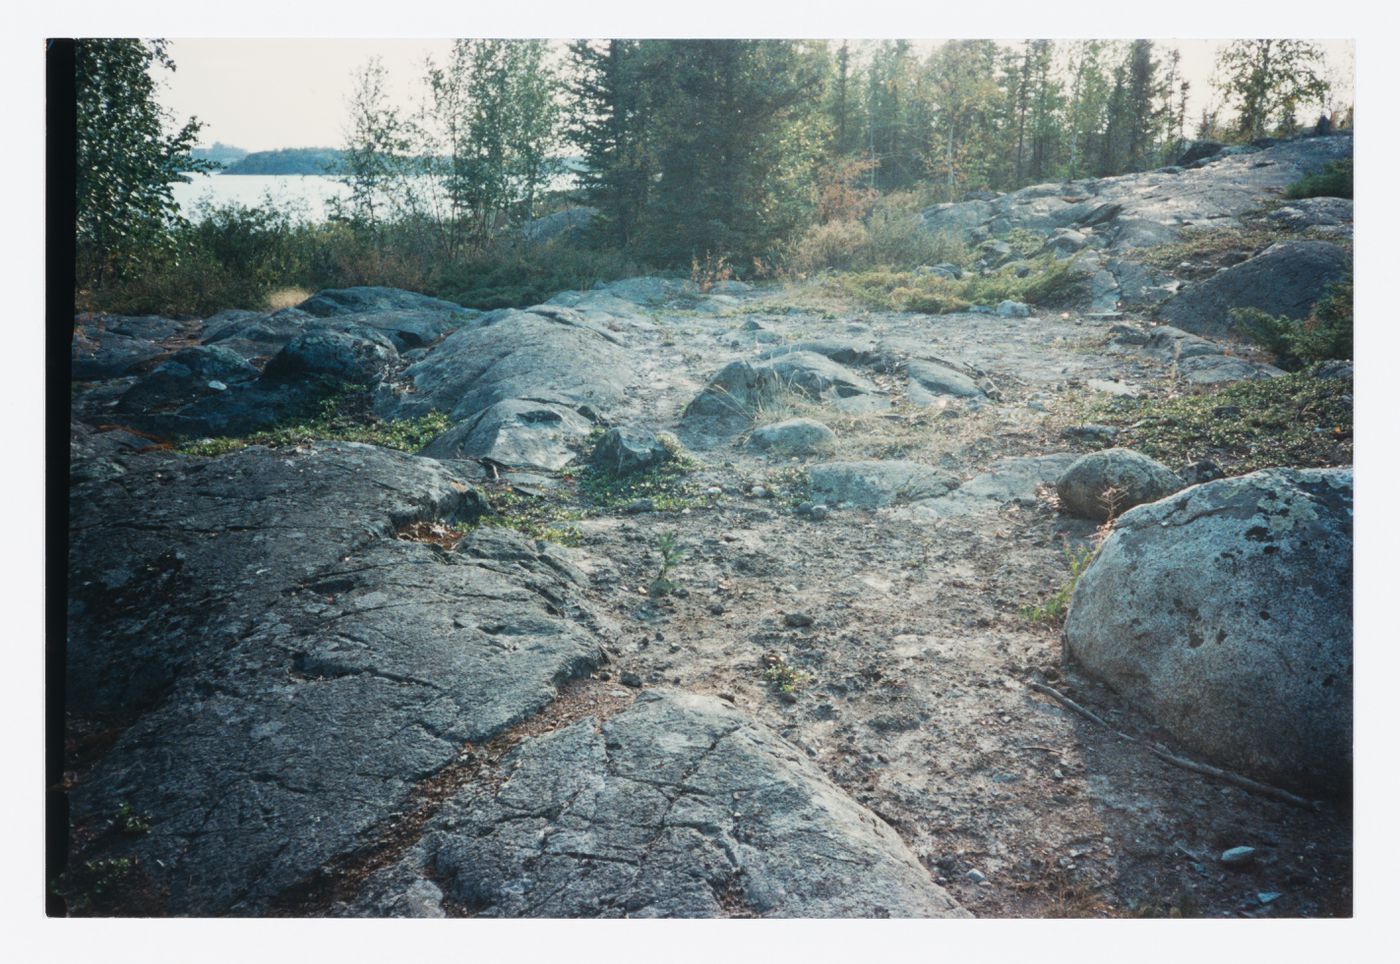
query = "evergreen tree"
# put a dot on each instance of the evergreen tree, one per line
(736, 142)
(610, 121)
(1142, 102)
(891, 90)
(127, 160)
(1046, 107)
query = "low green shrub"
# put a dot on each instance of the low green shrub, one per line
(344, 415)
(1334, 180)
(236, 256)
(1296, 343)
(1297, 420)
(890, 237)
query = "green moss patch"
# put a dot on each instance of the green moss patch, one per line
(343, 416)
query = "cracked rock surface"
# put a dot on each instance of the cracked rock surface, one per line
(677, 807)
(293, 671)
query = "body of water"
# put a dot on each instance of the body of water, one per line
(305, 196)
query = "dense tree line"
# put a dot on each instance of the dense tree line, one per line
(697, 151)
(723, 146)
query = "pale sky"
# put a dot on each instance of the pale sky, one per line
(265, 94)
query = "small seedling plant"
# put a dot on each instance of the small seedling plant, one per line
(672, 555)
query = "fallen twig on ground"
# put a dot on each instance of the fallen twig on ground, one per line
(1243, 782)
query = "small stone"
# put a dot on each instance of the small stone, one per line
(804, 508)
(714, 492)
(1201, 471)
(639, 505)
(787, 697)
(217, 385)
(1238, 857)
(820, 512)
(1057, 774)
(976, 876)
(632, 680)
(716, 609)
(797, 620)
(1100, 434)
(759, 492)
(1268, 896)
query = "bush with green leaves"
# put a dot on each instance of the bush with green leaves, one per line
(1296, 343)
(126, 160)
(1334, 180)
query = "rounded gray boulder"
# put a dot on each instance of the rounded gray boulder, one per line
(1112, 481)
(794, 436)
(1224, 614)
(360, 355)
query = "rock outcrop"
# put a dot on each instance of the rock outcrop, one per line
(290, 670)
(676, 807)
(873, 485)
(321, 678)
(1111, 217)
(1285, 279)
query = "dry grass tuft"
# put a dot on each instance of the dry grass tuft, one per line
(286, 298)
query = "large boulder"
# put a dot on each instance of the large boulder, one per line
(360, 356)
(1112, 481)
(736, 393)
(678, 806)
(1285, 279)
(818, 376)
(1224, 614)
(373, 298)
(930, 381)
